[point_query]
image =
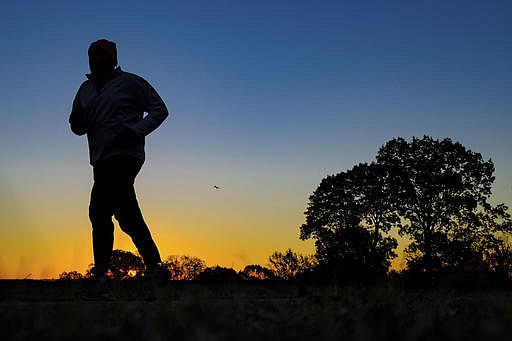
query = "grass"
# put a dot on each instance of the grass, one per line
(49, 310)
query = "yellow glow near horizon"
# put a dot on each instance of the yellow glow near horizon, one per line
(46, 231)
(57, 244)
(46, 258)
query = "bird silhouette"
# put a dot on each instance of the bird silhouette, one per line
(216, 187)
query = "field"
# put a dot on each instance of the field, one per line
(49, 310)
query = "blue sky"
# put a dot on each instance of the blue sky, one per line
(266, 97)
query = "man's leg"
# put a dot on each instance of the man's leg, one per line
(132, 223)
(100, 214)
(129, 215)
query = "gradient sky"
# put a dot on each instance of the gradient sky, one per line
(267, 98)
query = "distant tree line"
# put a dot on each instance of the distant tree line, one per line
(125, 265)
(434, 193)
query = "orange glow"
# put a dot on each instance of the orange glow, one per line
(43, 236)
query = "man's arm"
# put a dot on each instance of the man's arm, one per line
(77, 118)
(156, 109)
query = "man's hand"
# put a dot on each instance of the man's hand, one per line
(77, 120)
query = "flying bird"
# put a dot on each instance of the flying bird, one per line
(216, 187)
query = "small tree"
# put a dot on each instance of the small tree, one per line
(257, 272)
(289, 265)
(218, 274)
(72, 275)
(184, 268)
(124, 265)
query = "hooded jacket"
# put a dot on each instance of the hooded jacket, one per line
(111, 113)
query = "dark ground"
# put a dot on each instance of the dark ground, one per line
(49, 310)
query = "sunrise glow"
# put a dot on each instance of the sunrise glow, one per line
(266, 99)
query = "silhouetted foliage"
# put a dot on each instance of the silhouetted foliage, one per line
(435, 192)
(124, 265)
(184, 268)
(218, 274)
(499, 259)
(71, 275)
(257, 272)
(474, 243)
(442, 197)
(289, 265)
(374, 188)
(347, 216)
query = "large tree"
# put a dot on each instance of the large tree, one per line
(442, 196)
(348, 216)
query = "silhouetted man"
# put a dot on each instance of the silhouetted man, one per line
(109, 107)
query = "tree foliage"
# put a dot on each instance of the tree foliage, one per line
(218, 274)
(71, 275)
(347, 216)
(125, 265)
(436, 192)
(442, 195)
(474, 242)
(184, 268)
(289, 265)
(500, 259)
(257, 272)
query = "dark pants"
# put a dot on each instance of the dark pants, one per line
(113, 194)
